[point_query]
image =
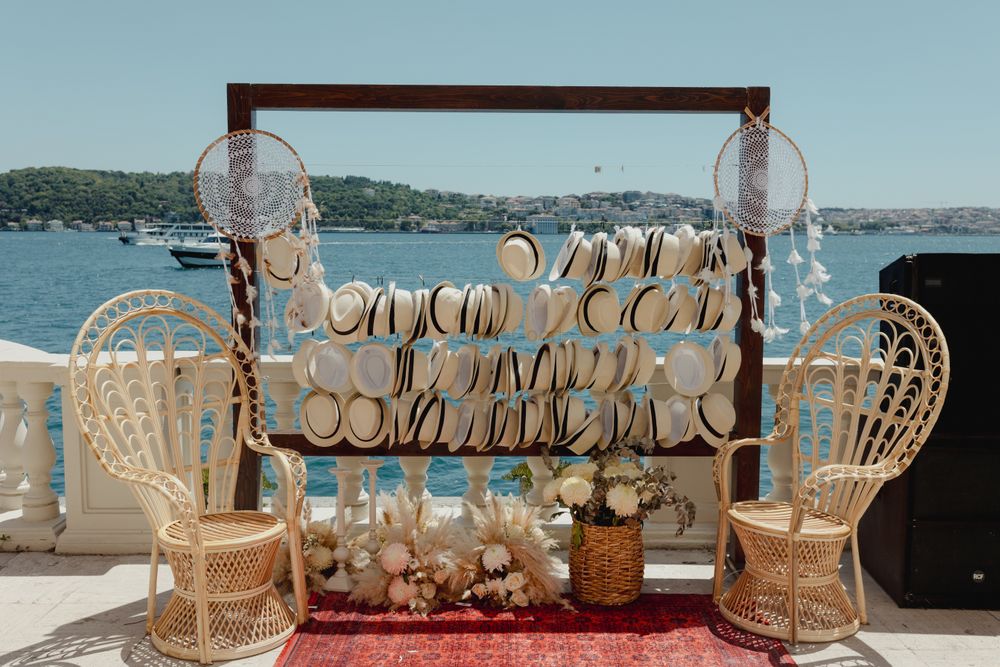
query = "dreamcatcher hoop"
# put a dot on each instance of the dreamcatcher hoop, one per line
(757, 178)
(263, 197)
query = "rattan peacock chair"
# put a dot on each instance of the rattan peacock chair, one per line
(158, 380)
(858, 398)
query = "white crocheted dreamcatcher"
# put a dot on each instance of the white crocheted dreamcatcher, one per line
(762, 186)
(251, 185)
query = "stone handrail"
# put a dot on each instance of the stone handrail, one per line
(101, 517)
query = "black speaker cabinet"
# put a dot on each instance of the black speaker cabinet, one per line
(931, 538)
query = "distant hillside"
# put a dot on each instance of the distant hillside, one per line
(67, 194)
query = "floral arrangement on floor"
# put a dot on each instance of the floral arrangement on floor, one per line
(319, 539)
(416, 560)
(505, 562)
(613, 488)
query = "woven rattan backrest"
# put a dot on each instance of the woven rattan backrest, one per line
(870, 384)
(155, 376)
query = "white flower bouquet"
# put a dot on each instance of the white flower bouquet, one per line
(506, 562)
(416, 560)
(319, 540)
(614, 488)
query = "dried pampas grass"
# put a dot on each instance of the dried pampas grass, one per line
(506, 560)
(319, 539)
(415, 561)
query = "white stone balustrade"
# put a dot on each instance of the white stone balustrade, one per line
(100, 515)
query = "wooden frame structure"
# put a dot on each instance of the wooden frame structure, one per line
(245, 99)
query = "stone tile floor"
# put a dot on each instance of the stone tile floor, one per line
(90, 610)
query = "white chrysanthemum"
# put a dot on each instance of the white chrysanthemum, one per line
(441, 576)
(583, 470)
(400, 592)
(428, 591)
(623, 500)
(394, 558)
(520, 598)
(575, 491)
(514, 581)
(550, 492)
(495, 557)
(496, 587)
(479, 590)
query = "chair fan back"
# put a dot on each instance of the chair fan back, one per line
(155, 377)
(870, 382)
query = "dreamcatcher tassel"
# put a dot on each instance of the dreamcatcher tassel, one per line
(818, 274)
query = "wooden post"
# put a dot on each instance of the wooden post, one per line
(241, 117)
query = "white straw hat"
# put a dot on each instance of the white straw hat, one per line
(300, 360)
(419, 328)
(730, 315)
(433, 420)
(401, 310)
(443, 366)
(473, 373)
(645, 310)
(663, 257)
(681, 311)
(515, 310)
(605, 363)
(443, 306)
(545, 312)
(567, 299)
(709, 313)
(598, 310)
(373, 370)
(685, 236)
(321, 418)
(681, 427)
(730, 253)
(499, 360)
(695, 260)
(367, 421)
(521, 255)
(308, 306)
(498, 413)
(645, 365)
(727, 357)
(605, 260)
(714, 418)
(568, 414)
(629, 241)
(573, 258)
(372, 314)
(329, 367)
(285, 260)
(470, 427)
(617, 417)
(658, 419)
(412, 371)
(689, 369)
(582, 363)
(537, 377)
(530, 421)
(626, 358)
(347, 307)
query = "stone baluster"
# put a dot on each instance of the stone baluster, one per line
(540, 476)
(13, 484)
(283, 394)
(415, 475)
(355, 497)
(40, 503)
(477, 475)
(779, 461)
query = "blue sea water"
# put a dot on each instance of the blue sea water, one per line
(50, 283)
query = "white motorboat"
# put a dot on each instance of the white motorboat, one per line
(203, 253)
(166, 233)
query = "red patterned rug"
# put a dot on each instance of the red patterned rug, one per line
(655, 630)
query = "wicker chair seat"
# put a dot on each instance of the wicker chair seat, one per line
(246, 611)
(773, 517)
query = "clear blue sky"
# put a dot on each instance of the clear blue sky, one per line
(892, 103)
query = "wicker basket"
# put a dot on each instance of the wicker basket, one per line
(607, 567)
